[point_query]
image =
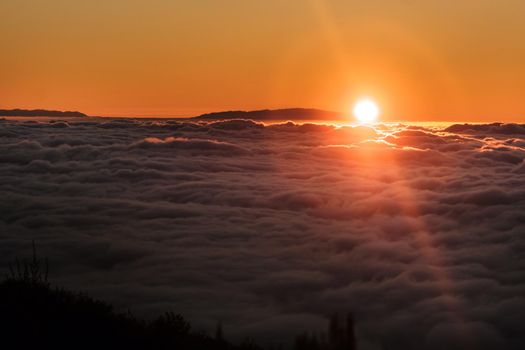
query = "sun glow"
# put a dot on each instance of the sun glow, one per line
(366, 111)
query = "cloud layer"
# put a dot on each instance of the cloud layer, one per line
(270, 229)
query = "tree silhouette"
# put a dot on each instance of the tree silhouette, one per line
(35, 315)
(340, 336)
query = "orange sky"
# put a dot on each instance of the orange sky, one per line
(421, 60)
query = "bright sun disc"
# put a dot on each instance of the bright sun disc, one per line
(366, 111)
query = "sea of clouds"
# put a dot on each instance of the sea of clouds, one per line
(270, 229)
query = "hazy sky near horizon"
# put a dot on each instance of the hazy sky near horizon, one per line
(421, 60)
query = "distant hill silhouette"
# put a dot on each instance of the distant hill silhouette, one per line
(275, 114)
(38, 113)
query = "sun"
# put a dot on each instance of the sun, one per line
(366, 111)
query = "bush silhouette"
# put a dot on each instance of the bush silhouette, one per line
(34, 315)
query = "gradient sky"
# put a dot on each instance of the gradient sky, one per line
(421, 60)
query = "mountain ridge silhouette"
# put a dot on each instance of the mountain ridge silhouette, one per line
(274, 114)
(39, 113)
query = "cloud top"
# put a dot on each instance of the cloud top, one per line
(271, 228)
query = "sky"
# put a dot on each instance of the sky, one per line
(420, 60)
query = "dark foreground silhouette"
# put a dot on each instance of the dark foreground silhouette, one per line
(35, 315)
(341, 336)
